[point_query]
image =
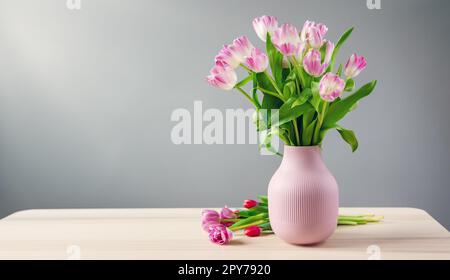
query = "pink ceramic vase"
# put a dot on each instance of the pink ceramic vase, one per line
(303, 197)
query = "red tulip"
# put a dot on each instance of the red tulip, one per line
(249, 203)
(253, 231)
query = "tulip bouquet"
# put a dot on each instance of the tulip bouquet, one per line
(297, 77)
(253, 219)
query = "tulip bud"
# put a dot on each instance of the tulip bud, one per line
(328, 53)
(243, 47)
(354, 66)
(253, 231)
(249, 203)
(320, 27)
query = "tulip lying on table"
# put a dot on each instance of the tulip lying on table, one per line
(254, 220)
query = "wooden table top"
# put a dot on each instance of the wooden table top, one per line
(405, 233)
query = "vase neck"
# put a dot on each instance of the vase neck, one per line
(307, 156)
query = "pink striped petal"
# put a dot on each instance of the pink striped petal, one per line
(286, 39)
(354, 65)
(263, 25)
(331, 87)
(257, 61)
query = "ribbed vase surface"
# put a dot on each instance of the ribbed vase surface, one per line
(303, 197)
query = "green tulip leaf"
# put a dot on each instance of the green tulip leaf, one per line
(289, 89)
(349, 85)
(349, 137)
(287, 114)
(338, 46)
(275, 61)
(255, 91)
(263, 198)
(244, 81)
(339, 109)
(308, 132)
(269, 101)
(354, 107)
(315, 100)
(339, 71)
(303, 98)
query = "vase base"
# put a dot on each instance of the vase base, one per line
(305, 237)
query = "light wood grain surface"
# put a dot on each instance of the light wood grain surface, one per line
(406, 233)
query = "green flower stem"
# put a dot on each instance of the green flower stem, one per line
(246, 68)
(351, 217)
(319, 123)
(257, 223)
(297, 134)
(299, 72)
(273, 83)
(302, 81)
(347, 223)
(247, 221)
(374, 219)
(356, 219)
(259, 216)
(247, 96)
(294, 122)
(257, 211)
(229, 220)
(286, 140)
(270, 93)
(365, 219)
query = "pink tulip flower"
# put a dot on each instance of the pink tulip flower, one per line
(314, 38)
(264, 25)
(322, 28)
(243, 47)
(312, 62)
(300, 52)
(229, 56)
(354, 66)
(220, 234)
(227, 213)
(331, 87)
(222, 76)
(253, 231)
(328, 52)
(210, 217)
(233, 55)
(257, 61)
(287, 40)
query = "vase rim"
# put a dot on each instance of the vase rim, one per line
(302, 150)
(302, 147)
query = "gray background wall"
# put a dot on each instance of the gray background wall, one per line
(86, 98)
